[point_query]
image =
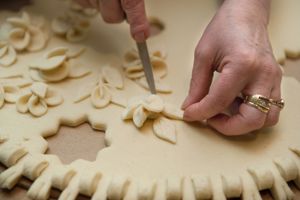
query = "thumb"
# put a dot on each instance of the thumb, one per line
(201, 78)
(136, 17)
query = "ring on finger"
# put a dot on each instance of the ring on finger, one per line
(259, 102)
(279, 103)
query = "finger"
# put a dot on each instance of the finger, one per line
(136, 17)
(111, 11)
(248, 119)
(273, 115)
(222, 93)
(202, 75)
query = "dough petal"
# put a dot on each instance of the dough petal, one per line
(57, 74)
(37, 40)
(77, 70)
(60, 25)
(2, 100)
(58, 51)
(159, 85)
(18, 22)
(140, 115)
(74, 35)
(19, 38)
(53, 98)
(39, 89)
(9, 58)
(75, 53)
(153, 103)
(172, 112)
(22, 103)
(3, 49)
(37, 107)
(11, 93)
(100, 97)
(49, 64)
(113, 77)
(165, 129)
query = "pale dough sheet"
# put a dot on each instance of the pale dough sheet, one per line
(136, 164)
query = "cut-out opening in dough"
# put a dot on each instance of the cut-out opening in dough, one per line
(72, 143)
(156, 26)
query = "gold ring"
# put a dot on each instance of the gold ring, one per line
(259, 102)
(279, 103)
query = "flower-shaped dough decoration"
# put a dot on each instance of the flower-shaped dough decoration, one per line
(8, 93)
(23, 33)
(71, 26)
(101, 93)
(88, 12)
(57, 65)
(139, 109)
(134, 69)
(37, 100)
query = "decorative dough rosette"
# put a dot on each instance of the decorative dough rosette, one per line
(101, 94)
(71, 26)
(27, 34)
(139, 109)
(57, 65)
(134, 69)
(38, 99)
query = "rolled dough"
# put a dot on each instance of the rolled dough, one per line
(135, 164)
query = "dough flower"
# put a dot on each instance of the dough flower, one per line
(37, 100)
(27, 34)
(57, 65)
(8, 55)
(139, 109)
(88, 12)
(8, 93)
(71, 26)
(101, 94)
(134, 70)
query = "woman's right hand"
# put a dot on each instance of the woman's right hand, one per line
(116, 11)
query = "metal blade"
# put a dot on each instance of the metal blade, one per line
(144, 55)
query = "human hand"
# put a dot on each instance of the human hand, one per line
(116, 11)
(236, 45)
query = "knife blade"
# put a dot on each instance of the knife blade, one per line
(144, 56)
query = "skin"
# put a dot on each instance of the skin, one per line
(236, 45)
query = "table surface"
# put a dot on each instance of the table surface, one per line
(83, 143)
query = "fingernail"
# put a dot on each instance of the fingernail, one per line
(139, 37)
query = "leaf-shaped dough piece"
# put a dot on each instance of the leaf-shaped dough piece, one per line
(26, 17)
(172, 112)
(35, 75)
(11, 93)
(49, 64)
(129, 110)
(74, 35)
(84, 92)
(153, 103)
(134, 71)
(140, 115)
(77, 70)
(39, 89)
(53, 98)
(37, 107)
(57, 74)
(60, 25)
(165, 129)
(159, 67)
(9, 58)
(3, 50)
(100, 97)
(159, 85)
(38, 39)
(82, 25)
(58, 51)
(18, 22)
(22, 102)
(113, 77)
(1, 96)
(19, 38)
(75, 53)
(131, 56)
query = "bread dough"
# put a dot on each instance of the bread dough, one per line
(136, 164)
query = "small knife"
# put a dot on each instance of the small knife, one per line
(144, 55)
